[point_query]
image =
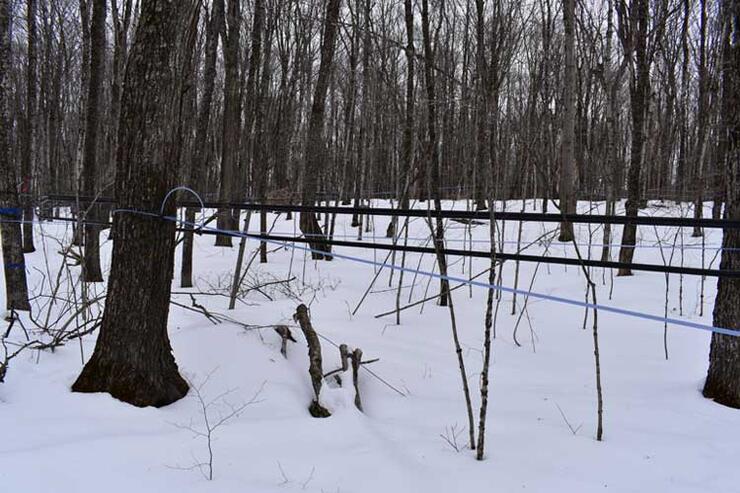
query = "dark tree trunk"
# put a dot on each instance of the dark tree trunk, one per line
(567, 163)
(133, 360)
(29, 141)
(702, 121)
(91, 271)
(15, 271)
(260, 149)
(199, 164)
(408, 127)
(723, 376)
(434, 171)
(315, 145)
(639, 92)
(255, 117)
(230, 180)
(482, 162)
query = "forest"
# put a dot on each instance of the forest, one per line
(363, 245)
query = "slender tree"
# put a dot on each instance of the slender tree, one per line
(91, 271)
(29, 140)
(433, 169)
(567, 156)
(634, 30)
(482, 164)
(199, 164)
(231, 135)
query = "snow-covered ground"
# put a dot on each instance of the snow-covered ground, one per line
(660, 433)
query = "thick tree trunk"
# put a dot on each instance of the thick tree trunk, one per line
(315, 145)
(133, 359)
(91, 271)
(723, 376)
(10, 229)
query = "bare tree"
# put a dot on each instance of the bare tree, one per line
(29, 141)
(10, 228)
(232, 117)
(315, 144)
(91, 271)
(133, 359)
(199, 164)
(567, 160)
(723, 377)
(635, 32)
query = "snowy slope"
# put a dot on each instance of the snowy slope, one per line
(660, 434)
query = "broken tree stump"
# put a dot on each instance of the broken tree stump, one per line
(314, 357)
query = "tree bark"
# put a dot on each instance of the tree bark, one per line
(639, 92)
(199, 164)
(133, 360)
(29, 142)
(16, 290)
(482, 163)
(567, 162)
(315, 145)
(723, 377)
(434, 171)
(91, 271)
(229, 185)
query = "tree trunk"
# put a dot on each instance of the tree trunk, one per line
(228, 188)
(133, 359)
(199, 164)
(15, 270)
(481, 169)
(702, 121)
(723, 376)
(408, 127)
(91, 271)
(315, 145)
(639, 92)
(567, 163)
(29, 141)
(434, 171)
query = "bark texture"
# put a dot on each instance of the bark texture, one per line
(315, 362)
(133, 360)
(29, 142)
(639, 91)
(199, 164)
(13, 265)
(229, 188)
(568, 163)
(315, 145)
(91, 271)
(723, 377)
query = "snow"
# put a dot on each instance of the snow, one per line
(660, 433)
